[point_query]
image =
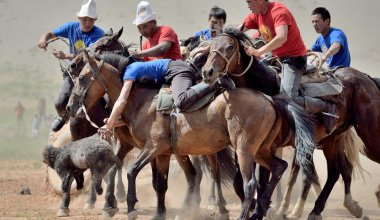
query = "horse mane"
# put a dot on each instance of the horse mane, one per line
(259, 76)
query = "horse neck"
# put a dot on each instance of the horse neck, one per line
(258, 77)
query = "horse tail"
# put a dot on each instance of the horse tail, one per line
(302, 124)
(353, 146)
(226, 165)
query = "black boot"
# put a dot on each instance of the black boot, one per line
(225, 82)
(329, 117)
(58, 123)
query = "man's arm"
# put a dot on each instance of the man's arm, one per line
(42, 43)
(280, 38)
(335, 47)
(155, 51)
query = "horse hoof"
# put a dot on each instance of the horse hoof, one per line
(354, 208)
(293, 216)
(365, 217)
(212, 209)
(89, 206)
(109, 213)
(377, 194)
(63, 212)
(314, 217)
(225, 216)
(132, 215)
(278, 216)
(159, 217)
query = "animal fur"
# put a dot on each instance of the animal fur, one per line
(76, 157)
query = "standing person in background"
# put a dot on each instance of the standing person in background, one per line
(81, 35)
(279, 29)
(217, 18)
(161, 41)
(332, 42)
(19, 110)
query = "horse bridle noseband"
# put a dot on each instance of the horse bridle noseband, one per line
(228, 61)
(95, 75)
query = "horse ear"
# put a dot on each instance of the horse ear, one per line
(109, 32)
(117, 36)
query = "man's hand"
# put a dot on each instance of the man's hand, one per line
(105, 132)
(42, 44)
(59, 54)
(250, 51)
(134, 54)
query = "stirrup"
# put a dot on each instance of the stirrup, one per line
(331, 115)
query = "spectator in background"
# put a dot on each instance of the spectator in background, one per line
(19, 110)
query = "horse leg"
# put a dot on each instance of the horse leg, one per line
(146, 155)
(263, 180)
(215, 174)
(288, 191)
(279, 195)
(300, 205)
(91, 197)
(162, 163)
(110, 205)
(66, 186)
(194, 187)
(346, 171)
(377, 194)
(333, 171)
(247, 168)
(277, 167)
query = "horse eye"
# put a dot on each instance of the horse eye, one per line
(229, 47)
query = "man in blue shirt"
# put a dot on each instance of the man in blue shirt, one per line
(216, 18)
(332, 42)
(81, 35)
(181, 76)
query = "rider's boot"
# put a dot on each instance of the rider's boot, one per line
(328, 110)
(225, 82)
(58, 122)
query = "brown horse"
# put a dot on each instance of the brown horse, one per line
(243, 118)
(358, 105)
(220, 164)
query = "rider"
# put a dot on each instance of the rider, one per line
(162, 41)
(331, 41)
(80, 34)
(278, 27)
(181, 76)
(216, 18)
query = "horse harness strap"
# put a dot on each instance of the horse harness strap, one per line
(228, 61)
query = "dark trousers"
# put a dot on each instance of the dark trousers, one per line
(182, 77)
(63, 96)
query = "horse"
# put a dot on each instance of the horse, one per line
(220, 164)
(243, 118)
(358, 105)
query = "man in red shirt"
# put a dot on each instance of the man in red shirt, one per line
(279, 29)
(161, 41)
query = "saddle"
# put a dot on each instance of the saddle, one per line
(314, 83)
(165, 102)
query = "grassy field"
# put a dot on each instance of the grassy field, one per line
(26, 84)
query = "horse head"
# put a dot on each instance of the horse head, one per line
(227, 56)
(110, 42)
(90, 86)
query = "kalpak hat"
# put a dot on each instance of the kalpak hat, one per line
(88, 9)
(144, 13)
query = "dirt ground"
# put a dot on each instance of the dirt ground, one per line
(43, 202)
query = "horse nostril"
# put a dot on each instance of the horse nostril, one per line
(68, 108)
(209, 72)
(73, 66)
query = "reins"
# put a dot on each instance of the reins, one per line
(228, 61)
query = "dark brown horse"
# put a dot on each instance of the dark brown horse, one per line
(243, 118)
(358, 105)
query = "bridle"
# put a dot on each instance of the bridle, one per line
(228, 61)
(95, 76)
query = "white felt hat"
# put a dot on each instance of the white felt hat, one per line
(88, 9)
(144, 13)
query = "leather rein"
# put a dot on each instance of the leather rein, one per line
(228, 61)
